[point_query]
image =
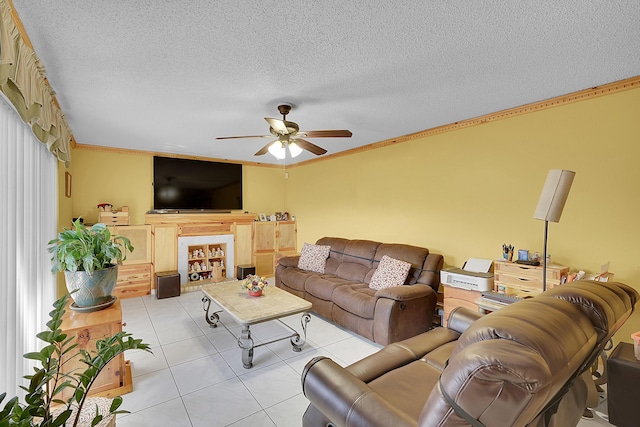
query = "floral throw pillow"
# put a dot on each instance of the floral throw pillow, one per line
(313, 257)
(390, 272)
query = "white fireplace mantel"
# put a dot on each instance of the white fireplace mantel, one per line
(183, 252)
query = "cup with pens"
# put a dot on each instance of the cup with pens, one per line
(507, 252)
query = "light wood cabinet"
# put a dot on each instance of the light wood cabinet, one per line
(114, 218)
(140, 237)
(86, 329)
(271, 240)
(168, 228)
(526, 280)
(165, 247)
(287, 236)
(134, 280)
(243, 242)
(456, 297)
(134, 275)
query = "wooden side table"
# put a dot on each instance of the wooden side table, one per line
(88, 328)
(623, 386)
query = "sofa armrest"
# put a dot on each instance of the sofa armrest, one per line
(289, 261)
(461, 318)
(405, 292)
(346, 400)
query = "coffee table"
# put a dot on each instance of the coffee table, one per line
(247, 310)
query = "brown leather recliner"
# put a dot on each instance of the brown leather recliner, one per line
(523, 365)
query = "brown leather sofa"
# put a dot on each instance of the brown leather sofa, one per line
(342, 295)
(524, 365)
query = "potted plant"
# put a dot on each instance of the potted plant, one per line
(89, 259)
(48, 381)
(254, 284)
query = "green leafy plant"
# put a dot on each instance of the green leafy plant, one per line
(87, 249)
(48, 380)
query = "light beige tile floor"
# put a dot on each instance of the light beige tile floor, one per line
(195, 378)
(195, 375)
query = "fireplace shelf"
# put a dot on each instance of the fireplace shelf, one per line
(207, 261)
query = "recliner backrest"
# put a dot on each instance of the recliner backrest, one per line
(508, 365)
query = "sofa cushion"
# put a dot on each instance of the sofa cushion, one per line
(294, 278)
(323, 286)
(313, 257)
(358, 299)
(357, 260)
(390, 272)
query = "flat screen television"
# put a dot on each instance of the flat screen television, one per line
(196, 185)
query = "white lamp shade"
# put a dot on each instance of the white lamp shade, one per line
(554, 195)
(278, 150)
(294, 149)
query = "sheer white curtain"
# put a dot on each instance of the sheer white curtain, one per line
(28, 210)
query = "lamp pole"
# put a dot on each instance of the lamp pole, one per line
(544, 257)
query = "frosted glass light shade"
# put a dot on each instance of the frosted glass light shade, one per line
(554, 195)
(278, 150)
(294, 149)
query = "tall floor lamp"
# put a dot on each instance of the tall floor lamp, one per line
(550, 205)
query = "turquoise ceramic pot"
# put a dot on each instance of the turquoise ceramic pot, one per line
(92, 290)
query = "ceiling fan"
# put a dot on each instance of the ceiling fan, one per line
(290, 136)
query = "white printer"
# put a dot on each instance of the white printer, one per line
(474, 275)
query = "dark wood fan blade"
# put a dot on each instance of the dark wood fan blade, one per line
(246, 136)
(264, 149)
(326, 134)
(303, 143)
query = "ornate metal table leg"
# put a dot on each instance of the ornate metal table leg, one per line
(246, 344)
(212, 319)
(296, 341)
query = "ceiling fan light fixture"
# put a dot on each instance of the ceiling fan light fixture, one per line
(294, 149)
(277, 150)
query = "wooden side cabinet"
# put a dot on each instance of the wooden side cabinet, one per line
(526, 280)
(271, 240)
(457, 297)
(134, 276)
(88, 328)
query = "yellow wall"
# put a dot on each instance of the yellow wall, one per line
(465, 193)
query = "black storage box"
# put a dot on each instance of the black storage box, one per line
(623, 386)
(244, 270)
(167, 284)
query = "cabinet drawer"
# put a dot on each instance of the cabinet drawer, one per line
(520, 270)
(114, 218)
(134, 272)
(133, 280)
(205, 229)
(525, 283)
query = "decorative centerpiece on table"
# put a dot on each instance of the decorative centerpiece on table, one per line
(254, 284)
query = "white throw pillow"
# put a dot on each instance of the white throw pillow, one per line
(313, 257)
(390, 272)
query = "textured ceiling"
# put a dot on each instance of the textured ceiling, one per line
(170, 76)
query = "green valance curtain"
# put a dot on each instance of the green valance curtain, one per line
(23, 81)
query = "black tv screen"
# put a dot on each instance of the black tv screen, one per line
(186, 184)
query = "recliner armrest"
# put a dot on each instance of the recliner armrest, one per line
(461, 318)
(290, 261)
(405, 292)
(346, 400)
